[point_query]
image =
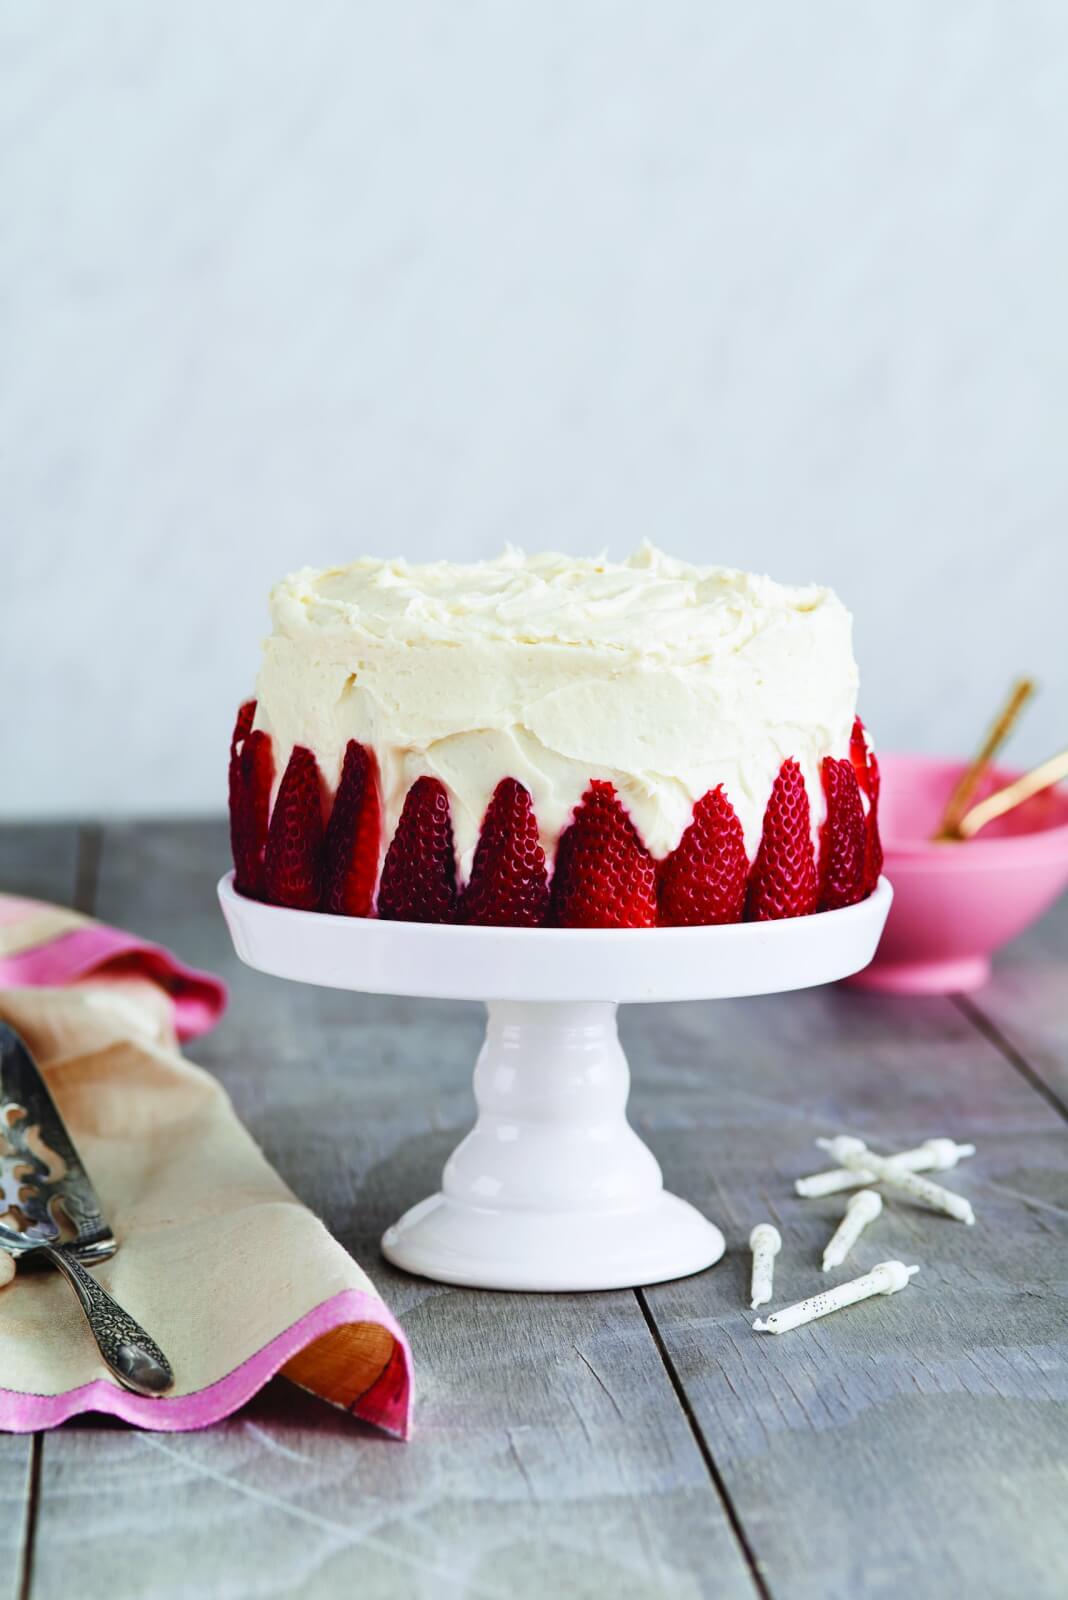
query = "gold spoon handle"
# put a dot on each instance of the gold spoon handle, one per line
(970, 779)
(1013, 794)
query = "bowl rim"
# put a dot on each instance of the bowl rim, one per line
(988, 852)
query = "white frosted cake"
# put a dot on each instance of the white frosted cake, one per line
(633, 743)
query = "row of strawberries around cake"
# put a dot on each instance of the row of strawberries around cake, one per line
(603, 877)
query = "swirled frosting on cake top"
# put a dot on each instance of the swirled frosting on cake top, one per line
(662, 677)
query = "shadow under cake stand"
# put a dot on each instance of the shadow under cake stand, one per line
(552, 1189)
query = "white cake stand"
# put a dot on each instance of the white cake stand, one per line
(552, 1189)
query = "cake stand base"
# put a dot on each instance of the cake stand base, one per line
(552, 1189)
(442, 1239)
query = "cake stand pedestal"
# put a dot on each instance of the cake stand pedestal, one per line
(552, 1189)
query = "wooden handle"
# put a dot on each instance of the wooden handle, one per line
(1013, 794)
(970, 779)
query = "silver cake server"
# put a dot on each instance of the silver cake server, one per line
(42, 1180)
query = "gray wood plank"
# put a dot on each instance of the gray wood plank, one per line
(917, 1444)
(1026, 1001)
(551, 1453)
(39, 861)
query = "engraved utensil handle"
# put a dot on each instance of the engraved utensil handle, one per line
(135, 1359)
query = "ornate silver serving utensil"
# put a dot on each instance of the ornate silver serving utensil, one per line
(41, 1179)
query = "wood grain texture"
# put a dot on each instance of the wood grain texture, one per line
(915, 1444)
(1025, 1004)
(39, 860)
(551, 1454)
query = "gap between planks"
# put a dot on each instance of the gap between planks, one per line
(87, 868)
(1016, 1059)
(988, 1030)
(83, 899)
(704, 1449)
(27, 1544)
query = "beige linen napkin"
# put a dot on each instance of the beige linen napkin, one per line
(217, 1259)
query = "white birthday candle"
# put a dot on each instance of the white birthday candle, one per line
(933, 1155)
(765, 1242)
(861, 1209)
(887, 1278)
(854, 1153)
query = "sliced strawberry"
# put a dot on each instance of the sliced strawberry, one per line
(604, 877)
(353, 837)
(293, 862)
(866, 768)
(251, 777)
(783, 879)
(873, 858)
(419, 873)
(858, 755)
(703, 880)
(509, 885)
(843, 838)
(243, 726)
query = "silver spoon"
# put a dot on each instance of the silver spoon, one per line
(41, 1174)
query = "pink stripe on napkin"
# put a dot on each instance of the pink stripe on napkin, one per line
(386, 1405)
(199, 998)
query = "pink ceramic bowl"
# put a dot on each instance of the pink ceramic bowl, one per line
(955, 904)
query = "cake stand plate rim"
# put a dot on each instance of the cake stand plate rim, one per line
(555, 965)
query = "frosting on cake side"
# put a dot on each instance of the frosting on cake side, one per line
(663, 678)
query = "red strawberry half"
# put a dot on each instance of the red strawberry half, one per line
(509, 886)
(858, 754)
(867, 770)
(353, 837)
(419, 873)
(293, 862)
(783, 880)
(843, 838)
(246, 715)
(251, 777)
(604, 877)
(703, 880)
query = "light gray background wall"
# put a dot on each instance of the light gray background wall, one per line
(779, 285)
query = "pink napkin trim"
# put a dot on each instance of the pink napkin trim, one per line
(198, 998)
(386, 1405)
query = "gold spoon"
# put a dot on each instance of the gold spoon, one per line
(1013, 794)
(970, 779)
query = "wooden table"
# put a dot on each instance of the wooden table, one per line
(627, 1444)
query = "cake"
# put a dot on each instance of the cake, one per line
(549, 741)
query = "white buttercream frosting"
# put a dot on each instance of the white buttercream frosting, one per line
(664, 678)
